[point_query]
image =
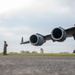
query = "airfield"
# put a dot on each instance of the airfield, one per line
(37, 64)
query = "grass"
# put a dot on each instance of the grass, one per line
(40, 54)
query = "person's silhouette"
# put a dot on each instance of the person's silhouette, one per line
(5, 48)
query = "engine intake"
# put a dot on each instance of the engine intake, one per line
(37, 39)
(58, 34)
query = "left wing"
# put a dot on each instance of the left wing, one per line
(22, 41)
(58, 34)
(70, 32)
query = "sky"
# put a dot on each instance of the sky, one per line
(26, 17)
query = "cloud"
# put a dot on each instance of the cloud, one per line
(10, 5)
(25, 17)
(32, 6)
(15, 30)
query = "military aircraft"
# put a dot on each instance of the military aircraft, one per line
(58, 34)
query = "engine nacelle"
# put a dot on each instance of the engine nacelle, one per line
(37, 40)
(58, 34)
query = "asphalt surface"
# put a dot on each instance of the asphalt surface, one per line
(37, 65)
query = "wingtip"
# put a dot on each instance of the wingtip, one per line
(21, 40)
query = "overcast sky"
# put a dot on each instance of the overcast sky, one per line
(26, 17)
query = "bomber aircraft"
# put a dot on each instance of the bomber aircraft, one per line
(58, 34)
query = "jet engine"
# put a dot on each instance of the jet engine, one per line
(37, 39)
(58, 34)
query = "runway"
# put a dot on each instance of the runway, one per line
(37, 65)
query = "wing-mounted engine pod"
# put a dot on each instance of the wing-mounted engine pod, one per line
(37, 39)
(58, 34)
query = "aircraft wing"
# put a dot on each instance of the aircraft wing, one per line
(58, 34)
(48, 37)
(26, 42)
(22, 41)
(70, 32)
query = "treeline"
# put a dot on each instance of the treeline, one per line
(28, 51)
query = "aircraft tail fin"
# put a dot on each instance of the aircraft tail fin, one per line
(22, 41)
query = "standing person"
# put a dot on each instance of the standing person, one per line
(5, 48)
